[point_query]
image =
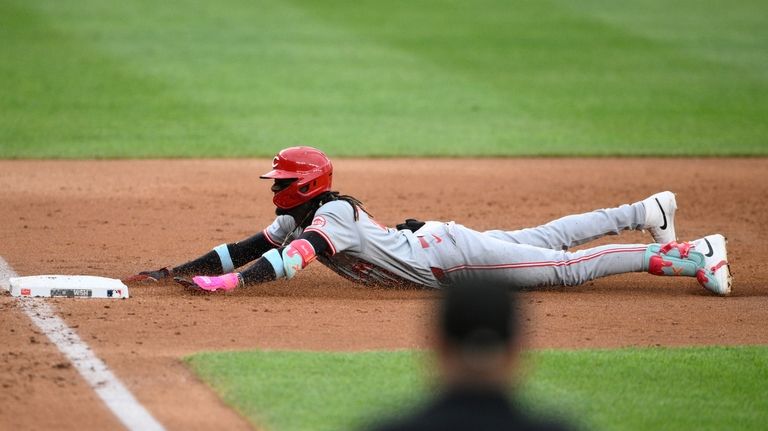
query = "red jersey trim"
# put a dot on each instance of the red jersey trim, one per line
(548, 263)
(269, 238)
(325, 237)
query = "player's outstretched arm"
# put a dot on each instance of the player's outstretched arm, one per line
(274, 264)
(222, 259)
(259, 272)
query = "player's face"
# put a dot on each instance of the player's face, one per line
(281, 184)
(299, 212)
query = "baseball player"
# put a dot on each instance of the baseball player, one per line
(315, 223)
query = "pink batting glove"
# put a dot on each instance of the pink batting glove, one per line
(224, 282)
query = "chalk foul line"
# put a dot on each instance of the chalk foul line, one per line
(106, 385)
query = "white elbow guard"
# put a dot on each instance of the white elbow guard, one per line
(274, 258)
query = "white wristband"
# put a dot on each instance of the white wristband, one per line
(274, 258)
(225, 258)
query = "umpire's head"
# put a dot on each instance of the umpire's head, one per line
(476, 334)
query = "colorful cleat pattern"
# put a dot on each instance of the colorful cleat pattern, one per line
(705, 259)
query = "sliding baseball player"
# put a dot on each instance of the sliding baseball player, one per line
(314, 223)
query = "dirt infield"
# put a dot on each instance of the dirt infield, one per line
(114, 218)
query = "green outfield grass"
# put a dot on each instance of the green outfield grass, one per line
(708, 388)
(95, 78)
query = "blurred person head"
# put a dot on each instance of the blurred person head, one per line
(475, 354)
(476, 336)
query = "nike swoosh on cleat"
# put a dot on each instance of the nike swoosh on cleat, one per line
(663, 226)
(710, 252)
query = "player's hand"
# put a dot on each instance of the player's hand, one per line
(187, 283)
(149, 276)
(411, 224)
(224, 282)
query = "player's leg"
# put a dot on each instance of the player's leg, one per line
(477, 258)
(522, 265)
(655, 213)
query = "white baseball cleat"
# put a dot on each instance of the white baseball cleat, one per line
(660, 217)
(716, 274)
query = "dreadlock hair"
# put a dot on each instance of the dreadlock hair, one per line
(336, 196)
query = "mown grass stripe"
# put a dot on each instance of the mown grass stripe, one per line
(698, 388)
(442, 78)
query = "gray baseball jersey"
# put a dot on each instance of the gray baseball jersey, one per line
(443, 253)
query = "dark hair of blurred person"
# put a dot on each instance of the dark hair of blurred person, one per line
(476, 352)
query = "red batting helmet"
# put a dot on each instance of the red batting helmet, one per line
(311, 169)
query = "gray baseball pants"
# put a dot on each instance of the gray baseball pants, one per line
(535, 256)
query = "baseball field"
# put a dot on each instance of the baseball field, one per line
(132, 135)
